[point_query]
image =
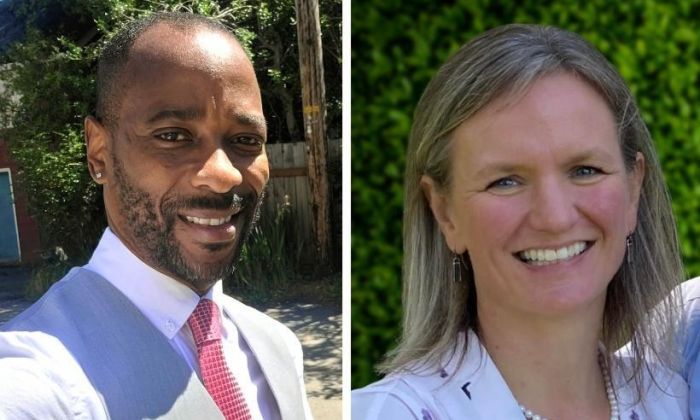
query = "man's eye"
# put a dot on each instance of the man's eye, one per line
(173, 136)
(248, 143)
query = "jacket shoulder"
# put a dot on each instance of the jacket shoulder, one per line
(264, 323)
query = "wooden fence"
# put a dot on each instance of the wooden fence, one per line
(289, 183)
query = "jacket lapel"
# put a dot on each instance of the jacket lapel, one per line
(272, 355)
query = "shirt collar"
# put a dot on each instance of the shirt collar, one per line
(472, 384)
(163, 300)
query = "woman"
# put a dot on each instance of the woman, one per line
(538, 236)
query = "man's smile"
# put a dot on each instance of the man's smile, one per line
(212, 219)
(211, 226)
(207, 222)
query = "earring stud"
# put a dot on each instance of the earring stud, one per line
(98, 175)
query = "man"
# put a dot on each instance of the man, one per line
(144, 329)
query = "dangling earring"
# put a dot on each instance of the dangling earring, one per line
(628, 242)
(456, 269)
(457, 264)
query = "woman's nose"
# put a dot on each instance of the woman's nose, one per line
(553, 207)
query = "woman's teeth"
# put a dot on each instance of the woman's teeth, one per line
(552, 256)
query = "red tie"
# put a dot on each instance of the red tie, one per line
(222, 386)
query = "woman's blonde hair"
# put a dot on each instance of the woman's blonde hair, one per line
(507, 61)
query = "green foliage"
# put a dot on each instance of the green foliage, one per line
(274, 264)
(271, 257)
(397, 47)
(268, 29)
(51, 88)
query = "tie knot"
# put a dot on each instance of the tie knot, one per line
(204, 322)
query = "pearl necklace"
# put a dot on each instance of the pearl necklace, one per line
(609, 390)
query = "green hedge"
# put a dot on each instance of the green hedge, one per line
(396, 48)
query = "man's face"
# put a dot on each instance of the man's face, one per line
(185, 163)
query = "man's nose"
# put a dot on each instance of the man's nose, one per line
(218, 173)
(554, 208)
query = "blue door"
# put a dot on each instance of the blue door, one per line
(9, 245)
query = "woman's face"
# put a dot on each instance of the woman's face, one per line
(540, 199)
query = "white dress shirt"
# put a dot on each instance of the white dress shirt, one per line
(31, 362)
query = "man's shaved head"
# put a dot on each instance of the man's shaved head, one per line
(115, 55)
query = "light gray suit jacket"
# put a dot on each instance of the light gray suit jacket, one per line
(134, 368)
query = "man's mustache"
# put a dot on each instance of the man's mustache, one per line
(226, 201)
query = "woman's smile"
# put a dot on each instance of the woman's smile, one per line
(552, 255)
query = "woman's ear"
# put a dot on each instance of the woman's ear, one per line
(96, 138)
(439, 204)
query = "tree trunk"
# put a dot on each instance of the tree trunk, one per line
(314, 109)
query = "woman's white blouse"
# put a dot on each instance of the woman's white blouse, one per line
(475, 390)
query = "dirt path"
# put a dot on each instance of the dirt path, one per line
(319, 330)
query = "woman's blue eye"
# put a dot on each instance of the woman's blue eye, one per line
(585, 171)
(503, 183)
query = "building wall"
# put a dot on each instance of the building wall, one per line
(27, 227)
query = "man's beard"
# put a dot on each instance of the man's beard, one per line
(157, 238)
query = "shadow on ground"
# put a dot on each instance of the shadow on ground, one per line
(10, 308)
(319, 330)
(13, 283)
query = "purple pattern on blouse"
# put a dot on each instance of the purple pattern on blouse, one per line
(465, 389)
(634, 415)
(426, 414)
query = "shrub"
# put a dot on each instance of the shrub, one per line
(270, 258)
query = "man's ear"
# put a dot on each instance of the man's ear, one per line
(97, 138)
(439, 205)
